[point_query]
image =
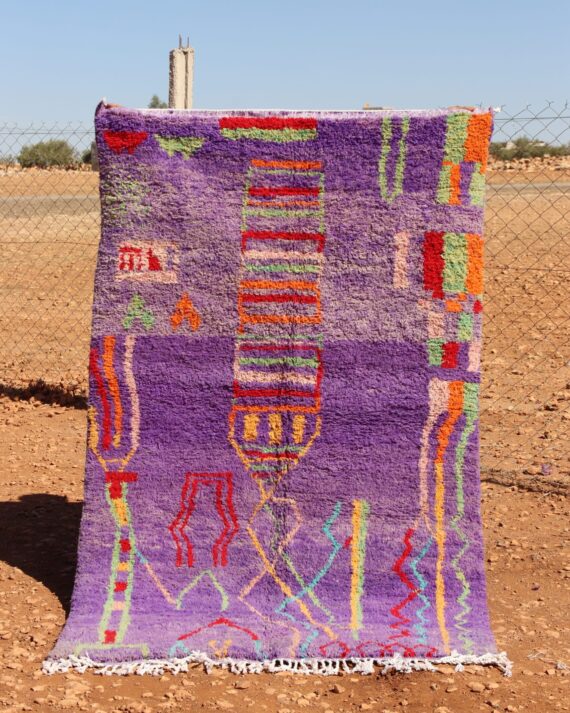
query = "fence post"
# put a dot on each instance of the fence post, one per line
(181, 76)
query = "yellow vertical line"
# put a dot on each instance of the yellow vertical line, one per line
(275, 428)
(250, 425)
(359, 515)
(298, 427)
(120, 509)
(160, 586)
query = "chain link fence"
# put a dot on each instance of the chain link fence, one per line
(49, 230)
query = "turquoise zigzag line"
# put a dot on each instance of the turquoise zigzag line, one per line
(321, 573)
(303, 648)
(461, 616)
(420, 626)
(287, 560)
(311, 636)
(313, 633)
(316, 579)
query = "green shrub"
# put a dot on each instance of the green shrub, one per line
(55, 152)
(157, 103)
(90, 156)
(524, 147)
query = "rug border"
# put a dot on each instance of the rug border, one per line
(309, 666)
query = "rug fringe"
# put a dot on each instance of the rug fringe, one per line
(323, 667)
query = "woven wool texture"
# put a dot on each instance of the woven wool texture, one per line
(283, 413)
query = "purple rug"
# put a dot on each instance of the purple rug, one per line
(282, 468)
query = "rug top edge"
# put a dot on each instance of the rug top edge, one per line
(329, 113)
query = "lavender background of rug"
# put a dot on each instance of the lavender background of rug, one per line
(331, 556)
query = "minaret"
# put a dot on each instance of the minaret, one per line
(181, 76)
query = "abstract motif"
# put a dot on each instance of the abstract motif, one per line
(453, 279)
(279, 130)
(229, 627)
(114, 446)
(137, 310)
(452, 276)
(402, 246)
(284, 387)
(147, 262)
(223, 488)
(186, 146)
(278, 364)
(185, 311)
(120, 141)
(462, 177)
(393, 157)
(360, 513)
(125, 199)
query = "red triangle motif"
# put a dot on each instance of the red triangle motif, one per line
(119, 141)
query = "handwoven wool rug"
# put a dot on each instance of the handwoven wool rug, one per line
(282, 467)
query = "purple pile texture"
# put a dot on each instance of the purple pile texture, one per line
(283, 458)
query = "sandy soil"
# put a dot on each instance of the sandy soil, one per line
(49, 227)
(41, 472)
(49, 232)
(48, 235)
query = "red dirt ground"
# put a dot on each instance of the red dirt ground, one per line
(41, 478)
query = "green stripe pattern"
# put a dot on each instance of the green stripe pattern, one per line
(280, 136)
(455, 138)
(435, 352)
(270, 361)
(455, 257)
(464, 327)
(477, 186)
(387, 132)
(453, 153)
(283, 267)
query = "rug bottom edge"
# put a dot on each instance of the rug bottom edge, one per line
(323, 667)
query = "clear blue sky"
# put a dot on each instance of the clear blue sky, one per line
(59, 58)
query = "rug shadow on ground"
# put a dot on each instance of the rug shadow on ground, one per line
(39, 534)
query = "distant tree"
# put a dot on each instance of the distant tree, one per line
(157, 103)
(55, 152)
(90, 156)
(523, 147)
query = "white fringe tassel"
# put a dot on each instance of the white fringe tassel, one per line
(323, 667)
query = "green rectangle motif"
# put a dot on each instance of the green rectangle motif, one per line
(456, 137)
(435, 351)
(444, 186)
(455, 259)
(464, 327)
